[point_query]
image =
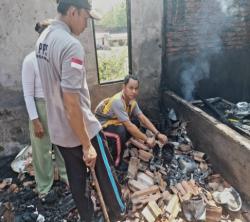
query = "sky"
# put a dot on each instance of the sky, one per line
(104, 6)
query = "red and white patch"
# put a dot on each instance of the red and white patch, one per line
(76, 63)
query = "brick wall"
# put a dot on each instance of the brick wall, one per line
(207, 46)
(187, 20)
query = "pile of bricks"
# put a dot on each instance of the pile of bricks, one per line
(177, 188)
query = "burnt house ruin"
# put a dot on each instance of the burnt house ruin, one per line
(181, 50)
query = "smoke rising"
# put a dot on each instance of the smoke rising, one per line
(212, 19)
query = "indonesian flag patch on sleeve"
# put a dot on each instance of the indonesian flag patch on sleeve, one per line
(76, 63)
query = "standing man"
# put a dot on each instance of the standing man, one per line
(116, 115)
(73, 127)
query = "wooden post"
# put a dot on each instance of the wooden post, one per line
(99, 193)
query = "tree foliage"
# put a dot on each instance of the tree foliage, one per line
(115, 18)
(113, 66)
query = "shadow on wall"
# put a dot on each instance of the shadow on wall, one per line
(148, 70)
(14, 132)
(10, 98)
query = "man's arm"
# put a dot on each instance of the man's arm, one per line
(136, 133)
(75, 117)
(120, 112)
(149, 125)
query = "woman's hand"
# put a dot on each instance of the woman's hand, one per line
(38, 128)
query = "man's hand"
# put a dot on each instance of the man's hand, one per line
(89, 156)
(150, 142)
(162, 138)
(38, 128)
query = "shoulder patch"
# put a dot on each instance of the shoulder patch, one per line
(77, 63)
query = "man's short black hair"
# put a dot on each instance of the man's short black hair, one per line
(64, 5)
(128, 77)
(63, 8)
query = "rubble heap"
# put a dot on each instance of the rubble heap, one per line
(169, 183)
(236, 116)
(20, 203)
(175, 182)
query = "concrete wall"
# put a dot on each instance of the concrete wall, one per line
(17, 35)
(229, 152)
(146, 25)
(17, 39)
(208, 48)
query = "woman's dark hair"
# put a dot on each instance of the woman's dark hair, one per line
(40, 26)
(128, 77)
